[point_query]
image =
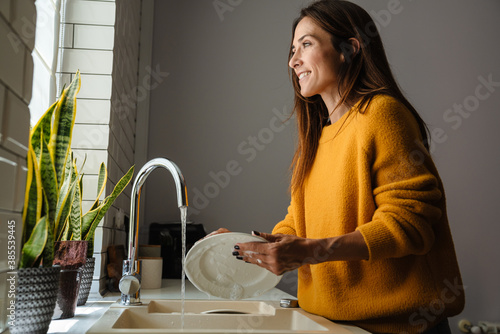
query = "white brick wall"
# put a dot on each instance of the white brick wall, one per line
(102, 41)
(17, 19)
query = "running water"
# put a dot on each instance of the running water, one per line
(183, 281)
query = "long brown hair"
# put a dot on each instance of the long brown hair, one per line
(363, 75)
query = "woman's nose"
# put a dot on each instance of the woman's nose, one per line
(294, 61)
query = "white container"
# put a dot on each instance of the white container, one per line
(151, 273)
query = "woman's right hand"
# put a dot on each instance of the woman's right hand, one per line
(219, 231)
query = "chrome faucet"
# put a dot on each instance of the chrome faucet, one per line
(130, 283)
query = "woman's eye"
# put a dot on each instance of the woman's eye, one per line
(305, 44)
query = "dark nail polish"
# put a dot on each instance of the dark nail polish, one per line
(248, 262)
(256, 233)
(239, 257)
(236, 253)
(236, 247)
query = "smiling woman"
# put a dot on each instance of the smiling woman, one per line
(367, 225)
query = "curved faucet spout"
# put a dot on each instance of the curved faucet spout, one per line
(180, 186)
(130, 271)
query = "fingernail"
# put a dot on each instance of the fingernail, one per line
(239, 257)
(236, 253)
(236, 247)
(247, 262)
(255, 233)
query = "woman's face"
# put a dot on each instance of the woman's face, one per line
(315, 62)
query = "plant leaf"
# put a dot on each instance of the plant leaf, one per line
(48, 250)
(87, 220)
(41, 130)
(65, 197)
(122, 183)
(64, 120)
(75, 216)
(35, 244)
(32, 199)
(63, 229)
(49, 182)
(65, 232)
(101, 184)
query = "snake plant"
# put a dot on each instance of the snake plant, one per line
(53, 199)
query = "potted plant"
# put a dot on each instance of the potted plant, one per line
(52, 211)
(75, 235)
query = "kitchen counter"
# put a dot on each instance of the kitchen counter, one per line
(87, 315)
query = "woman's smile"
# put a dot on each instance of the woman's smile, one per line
(303, 75)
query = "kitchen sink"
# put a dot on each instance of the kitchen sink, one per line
(214, 316)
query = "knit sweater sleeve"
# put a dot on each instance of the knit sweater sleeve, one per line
(406, 187)
(287, 225)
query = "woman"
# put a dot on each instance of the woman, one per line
(367, 224)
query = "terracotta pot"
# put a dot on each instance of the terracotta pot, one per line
(36, 296)
(71, 256)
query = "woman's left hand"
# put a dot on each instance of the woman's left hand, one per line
(280, 254)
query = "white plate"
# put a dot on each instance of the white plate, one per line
(212, 268)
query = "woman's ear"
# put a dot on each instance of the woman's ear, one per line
(350, 49)
(356, 46)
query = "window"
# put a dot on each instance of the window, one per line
(47, 38)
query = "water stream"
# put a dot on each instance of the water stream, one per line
(183, 280)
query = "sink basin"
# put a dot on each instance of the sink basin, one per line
(214, 316)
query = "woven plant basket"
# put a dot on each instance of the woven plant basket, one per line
(36, 296)
(86, 281)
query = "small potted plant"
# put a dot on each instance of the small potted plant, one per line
(52, 212)
(75, 234)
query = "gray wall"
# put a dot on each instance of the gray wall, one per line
(213, 115)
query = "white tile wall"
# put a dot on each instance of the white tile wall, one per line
(85, 37)
(16, 125)
(90, 12)
(28, 77)
(87, 61)
(16, 69)
(93, 111)
(93, 157)
(68, 35)
(96, 87)
(3, 297)
(23, 20)
(21, 175)
(8, 167)
(12, 64)
(90, 136)
(89, 184)
(104, 233)
(106, 52)
(13, 220)
(123, 147)
(2, 106)
(100, 264)
(101, 258)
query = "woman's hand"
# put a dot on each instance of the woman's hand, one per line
(280, 254)
(219, 231)
(284, 253)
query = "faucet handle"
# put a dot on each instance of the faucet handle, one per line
(129, 284)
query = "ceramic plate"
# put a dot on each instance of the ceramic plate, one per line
(212, 268)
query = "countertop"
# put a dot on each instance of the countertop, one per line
(88, 314)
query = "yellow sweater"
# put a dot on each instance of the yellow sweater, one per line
(372, 174)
